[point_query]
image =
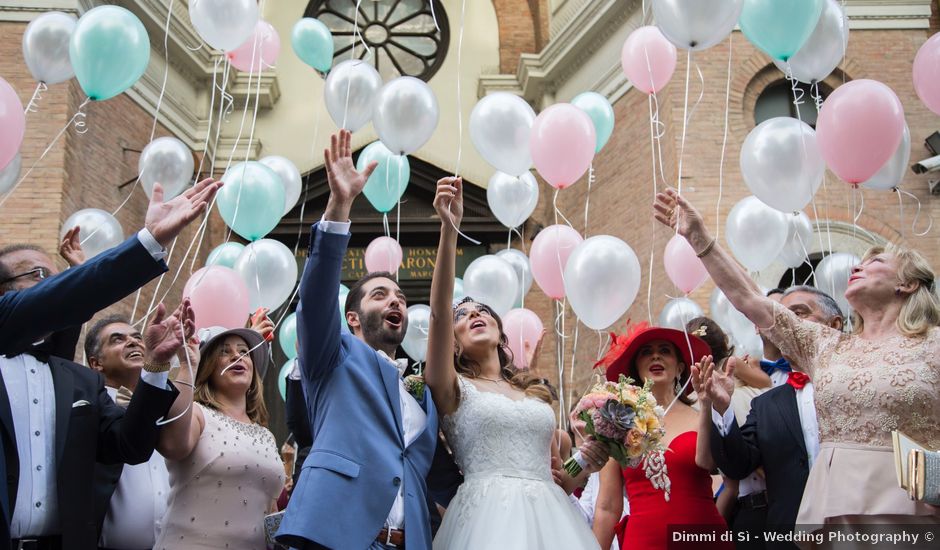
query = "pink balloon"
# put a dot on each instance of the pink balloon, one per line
(648, 59)
(219, 297)
(521, 327)
(683, 267)
(562, 144)
(859, 128)
(927, 73)
(12, 123)
(264, 43)
(383, 254)
(549, 255)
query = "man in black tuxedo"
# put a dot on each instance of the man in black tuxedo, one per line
(781, 434)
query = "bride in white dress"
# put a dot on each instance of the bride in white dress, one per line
(499, 423)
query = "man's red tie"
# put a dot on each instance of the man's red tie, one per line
(797, 379)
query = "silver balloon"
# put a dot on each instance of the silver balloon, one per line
(492, 281)
(755, 232)
(748, 342)
(10, 174)
(781, 163)
(360, 83)
(602, 278)
(728, 318)
(290, 177)
(415, 342)
(678, 312)
(500, 128)
(520, 263)
(167, 161)
(46, 47)
(100, 230)
(224, 24)
(512, 199)
(269, 270)
(832, 277)
(405, 114)
(696, 24)
(226, 254)
(799, 241)
(824, 49)
(892, 173)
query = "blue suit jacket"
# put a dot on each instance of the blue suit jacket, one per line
(359, 458)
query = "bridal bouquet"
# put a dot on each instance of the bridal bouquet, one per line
(626, 418)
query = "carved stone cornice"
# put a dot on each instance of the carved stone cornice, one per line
(267, 88)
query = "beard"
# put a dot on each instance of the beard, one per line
(377, 334)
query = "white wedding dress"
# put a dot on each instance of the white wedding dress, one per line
(508, 498)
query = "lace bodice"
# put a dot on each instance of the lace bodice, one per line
(494, 434)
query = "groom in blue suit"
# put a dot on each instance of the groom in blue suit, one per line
(363, 483)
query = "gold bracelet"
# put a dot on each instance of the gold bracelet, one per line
(156, 368)
(708, 248)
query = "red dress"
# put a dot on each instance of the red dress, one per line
(690, 512)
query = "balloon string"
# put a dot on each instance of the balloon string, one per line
(574, 354)
(463, 9)
(357, 37)
(817, 97)
(303, 205)
(685, 122)
(558, 211)
(587, 198)
(166, 68)
(156, 291)
(797, 101)
(917, 215)
(385, 226)
(688, 343)
(724, 141)
(33, 105)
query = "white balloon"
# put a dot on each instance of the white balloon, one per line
(167, 161)
(10, 174)
(405, 114)
(696, 24)
(512, 199)
(602, 277)
(500, 128)
(361, 83)
(832, 277)
(728, 318)
(46, 47)
(492, 281)
(678, 312)
(755, 232)
(290, 177)
(781, 163)
(224, 24)
(100, 230)
(269, 270)
(415, 342)
(748, 342)
(892, 173)
(520, 263)
(824, 49)
(799, 241)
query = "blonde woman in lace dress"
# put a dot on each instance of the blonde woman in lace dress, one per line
(883, 376)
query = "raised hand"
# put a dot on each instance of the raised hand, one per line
(672, 210)
(719, 386)
(344, 180)
(71, 247)
(165, 335)
(697, 377)
(262, 324)
(165, 220)
(448, 201)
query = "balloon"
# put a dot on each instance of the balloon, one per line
(287, 336)
(500, 128)
(224, 24)
(755, 232)
(219, 297)
(10, 174)
(383, 254)
(388, 182)
(562, 144)
(252, 200)
(269, 270)
(415, 342)
(343, 292)
(523, 329)
(109, 51)
(719, 307)
(648, 59)
(832, 277)
(859, 128)
(748, 342)
(46, 47)
(824, 49)
(683, 267)
(282, 375)
(520, 264)
(892, 173)
(100, 230)
(12, 123)
(361, 83)
(491, 280)
(290, 177)
(696, 24)
(459, 293)
(602, 277)
(779, 28)
(927, 73)
(226, 254)
(259, 52)
(167, 161)
(799, 241)
(601, 112)
(313, 43)
(405, 114)
(549, 255)
(781, 164)
(512, 199)
(678, 312)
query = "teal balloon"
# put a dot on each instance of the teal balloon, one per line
(287, 336)
(459, 293)
(313, 43)
(343, 292)
(602, 115)
(282, 377)
(780, 27)
(388, 183)
(252, 200)
(109, 51)
(225, 254)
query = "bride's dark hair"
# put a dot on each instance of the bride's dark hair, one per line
(522, 380)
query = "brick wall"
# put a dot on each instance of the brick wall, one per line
(522, 24)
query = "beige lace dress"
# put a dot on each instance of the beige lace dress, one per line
(864, 390)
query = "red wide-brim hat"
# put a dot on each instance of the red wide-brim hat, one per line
(623, 348)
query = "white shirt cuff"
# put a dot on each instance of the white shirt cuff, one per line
(155, 379)
(151, 244)
(723, 421)
(341, 228)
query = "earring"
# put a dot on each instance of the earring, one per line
(897, 292)
(678, 386)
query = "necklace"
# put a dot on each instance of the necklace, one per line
(496, 380)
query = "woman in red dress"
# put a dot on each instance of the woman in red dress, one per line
(662, 356)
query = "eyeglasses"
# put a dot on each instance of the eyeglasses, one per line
(37, 273)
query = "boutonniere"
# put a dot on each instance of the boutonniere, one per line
(415, 386)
